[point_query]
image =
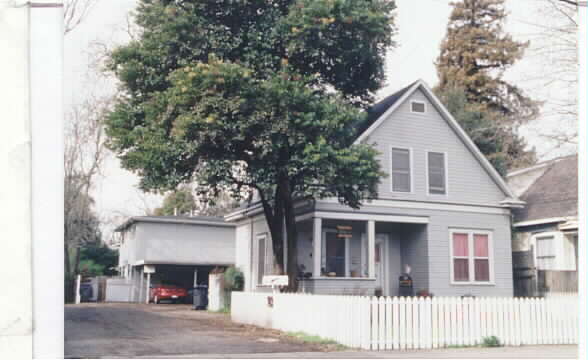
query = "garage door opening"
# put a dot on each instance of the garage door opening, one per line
(184, 276)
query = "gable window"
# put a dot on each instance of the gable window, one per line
(418, 107)
(471, 260)
(401, 170)
(436, 173)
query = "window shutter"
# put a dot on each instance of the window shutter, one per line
(400, 170)
(436, 174)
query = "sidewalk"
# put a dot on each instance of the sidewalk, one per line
(520, 352)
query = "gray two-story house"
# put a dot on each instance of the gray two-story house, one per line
(443, 212)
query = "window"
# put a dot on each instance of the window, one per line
(401, 168)
(335, 259)
(418, 107)
(545, 252)
(471, 260)
(436, 173)
(265, 263)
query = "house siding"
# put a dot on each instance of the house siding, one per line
(467, 181)
(243, 251)
(185, 244)
(347, 286)
(428, 251)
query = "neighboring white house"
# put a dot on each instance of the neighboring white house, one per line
(177, 250)
(547, 227)
(443, 211)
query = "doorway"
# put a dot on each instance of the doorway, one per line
(381, 263)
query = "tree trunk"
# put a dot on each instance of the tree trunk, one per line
(291, 236)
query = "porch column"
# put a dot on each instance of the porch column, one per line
(147, 286)
(371, 235)
(141, 281)
(316, 241)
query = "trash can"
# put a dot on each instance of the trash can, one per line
(86, 292)
(200, 297)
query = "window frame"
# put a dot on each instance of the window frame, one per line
(410, 170)
(557, 248)
(471, 257)
(347, 262)
(445, 164)
(265, 237)
(418, 102)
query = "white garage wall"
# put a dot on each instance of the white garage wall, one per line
(185, 244)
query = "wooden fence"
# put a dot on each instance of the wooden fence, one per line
(383, 323)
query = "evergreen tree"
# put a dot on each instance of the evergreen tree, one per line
(474, 56)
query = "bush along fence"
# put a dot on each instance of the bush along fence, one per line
(383, 323)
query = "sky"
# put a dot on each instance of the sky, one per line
(421, 27)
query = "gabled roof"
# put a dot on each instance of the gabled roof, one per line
(190, 220)
(378, 109)
(382, 110)
(554, 194)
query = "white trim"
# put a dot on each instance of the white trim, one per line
(418, 102)
(453, 124)
(539, 221)
(410, 170)
(446, 173)
(384, 240)
(432, 205)
(258, 237)
(471, 258)
(372, 217)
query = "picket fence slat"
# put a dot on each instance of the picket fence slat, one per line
(384, 323)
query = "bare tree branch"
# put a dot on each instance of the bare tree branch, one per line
(74, 12)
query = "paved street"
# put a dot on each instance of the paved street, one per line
(175, 331)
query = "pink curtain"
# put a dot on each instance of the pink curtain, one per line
(460, 244)
(461, 270)
(482, 270)
(480, 245)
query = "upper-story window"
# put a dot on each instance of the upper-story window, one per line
(437, 173)
(418, 107)
(401, 170)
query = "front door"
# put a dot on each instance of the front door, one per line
(381, 263)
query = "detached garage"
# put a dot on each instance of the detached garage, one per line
(172, 250)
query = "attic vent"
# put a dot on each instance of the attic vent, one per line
(417, 107)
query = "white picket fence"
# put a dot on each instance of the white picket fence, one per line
(384, 323)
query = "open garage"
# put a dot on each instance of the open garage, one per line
(173, 251)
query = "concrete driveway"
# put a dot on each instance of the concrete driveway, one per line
(176, 331)
(135, 330)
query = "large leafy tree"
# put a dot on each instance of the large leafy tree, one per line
(474, 56)
(258, 96)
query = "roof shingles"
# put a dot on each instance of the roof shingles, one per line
(553, 194)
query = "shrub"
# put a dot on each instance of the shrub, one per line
(234, 279)
(491, 341)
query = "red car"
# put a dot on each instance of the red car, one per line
(167, 292)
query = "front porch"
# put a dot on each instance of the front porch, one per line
(360, 254)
